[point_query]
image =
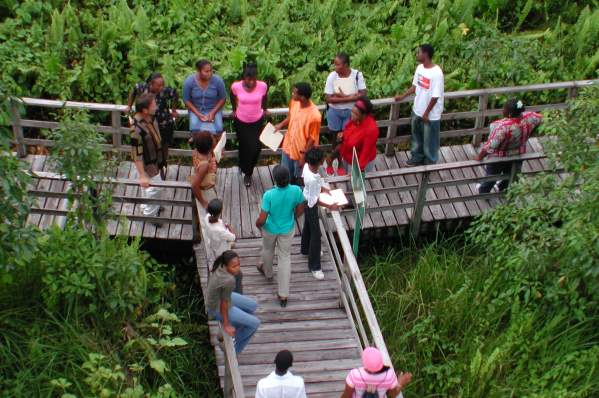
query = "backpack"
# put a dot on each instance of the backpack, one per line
(368, 393)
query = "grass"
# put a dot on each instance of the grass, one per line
(431, 302)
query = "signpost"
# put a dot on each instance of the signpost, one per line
(359, 189)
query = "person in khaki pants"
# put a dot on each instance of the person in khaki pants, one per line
(281, 206)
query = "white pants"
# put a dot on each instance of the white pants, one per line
(151, 210)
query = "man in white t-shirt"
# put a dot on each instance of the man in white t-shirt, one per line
(281, 383)
(341, 102)
(428, 84)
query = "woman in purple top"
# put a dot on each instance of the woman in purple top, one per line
(248, 98)
(204, 95)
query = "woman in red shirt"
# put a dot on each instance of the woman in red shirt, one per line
(361, 133)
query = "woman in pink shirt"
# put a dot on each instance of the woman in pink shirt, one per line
(374, 379)
(248, 97)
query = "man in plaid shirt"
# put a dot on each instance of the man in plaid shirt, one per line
(508, 137)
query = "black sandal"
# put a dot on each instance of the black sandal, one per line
(282, 301)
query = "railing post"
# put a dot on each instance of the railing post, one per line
(572, 92)
(116, 129)
(419, 205)
(392, 129)
(483, 103)
(196, 229)
(17, 129)
(514, 171)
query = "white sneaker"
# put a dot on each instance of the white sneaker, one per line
(318, 275)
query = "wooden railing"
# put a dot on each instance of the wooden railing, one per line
(116, 129)
(421, 179)
(355, 296)
(111, 182)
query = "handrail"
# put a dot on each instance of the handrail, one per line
(391, 123)
(425, 182)
(440, 167)
(352, 276)
(93, 106)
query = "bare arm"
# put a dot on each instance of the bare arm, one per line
(299, 210)
(342, 98)
(409, 91)
(196, 181)
(348, 392)
(282, 124)
(403, 380)
(430, 106)
(261, 219)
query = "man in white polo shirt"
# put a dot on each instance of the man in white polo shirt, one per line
(428, 85)
(281, 383)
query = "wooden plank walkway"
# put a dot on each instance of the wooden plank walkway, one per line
(314, 325)
(242, 204)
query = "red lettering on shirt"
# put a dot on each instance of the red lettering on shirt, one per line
(424, 82)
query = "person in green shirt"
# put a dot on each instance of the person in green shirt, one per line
(281, 206)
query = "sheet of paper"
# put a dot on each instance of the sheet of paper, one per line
(336, 196)
(270, 137)
(346, 85)
(220, 146)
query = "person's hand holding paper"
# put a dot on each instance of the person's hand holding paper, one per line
(271, 137)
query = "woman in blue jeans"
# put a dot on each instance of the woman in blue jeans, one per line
(233, 310)
(204, 95)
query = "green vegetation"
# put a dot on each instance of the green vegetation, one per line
(95, 50)
(510, 311)
(82, 314)
(513, 310)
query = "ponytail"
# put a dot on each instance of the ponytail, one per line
(224, 259)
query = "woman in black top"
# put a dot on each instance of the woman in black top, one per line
(166, 100)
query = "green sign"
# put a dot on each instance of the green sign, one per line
(359, 189)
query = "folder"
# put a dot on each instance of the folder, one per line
(335, 196)
(220, 146)
(347, 85)
(271, 138)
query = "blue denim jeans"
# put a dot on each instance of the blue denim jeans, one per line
(293, 165)
(337, 118)
(214, 127)
(242, 318)
(425, 140)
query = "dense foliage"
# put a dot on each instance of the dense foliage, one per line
(83, 314)
(95, 50)
(513, 311)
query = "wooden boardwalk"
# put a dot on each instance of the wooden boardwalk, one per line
(242, 204)
(314, 326)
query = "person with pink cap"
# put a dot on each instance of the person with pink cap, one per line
(374, 379)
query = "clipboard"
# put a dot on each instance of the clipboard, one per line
(347, 85)
(270, 137)
(220, 146)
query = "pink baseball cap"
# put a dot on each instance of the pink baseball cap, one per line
(372, 360)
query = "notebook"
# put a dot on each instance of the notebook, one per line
(220, 146)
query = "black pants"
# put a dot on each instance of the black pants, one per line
(497, 168)
(311, 237)
(248, 136)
